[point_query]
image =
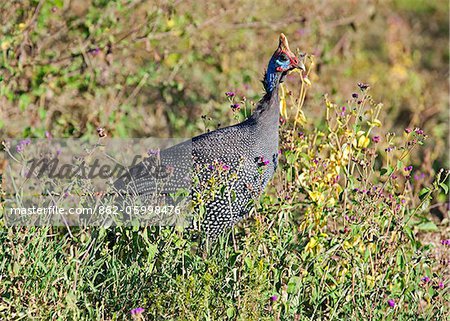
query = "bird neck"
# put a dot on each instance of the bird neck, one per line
(268, 110)
(271, 78)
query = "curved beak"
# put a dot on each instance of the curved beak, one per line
(301, 65)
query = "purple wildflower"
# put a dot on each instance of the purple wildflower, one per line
(211, 167)
(225, 167)
(408, 168)
(153, 152)
(355, 95)
(48, 135)
(235, 107)
(418, 176)
(301, 32)
(137, 311)
(441, 285)
(408, 130)
(391, 303)
(94, 51)
(273, 298)
(445, 242)
(419, 131)
(263, 162)
(425, 279)
(363, 86)
(21, 145)
(66, 195)
(230, 94)
(376, 139)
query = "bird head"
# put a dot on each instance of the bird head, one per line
(283, 60)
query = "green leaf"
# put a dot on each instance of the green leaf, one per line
(428, 227)
(230, 312)
(294, 285)
(424, 192)
(387, 171)
(248, 261)
(24, 101)
(400, 260)
(444, 187)
(291, 158)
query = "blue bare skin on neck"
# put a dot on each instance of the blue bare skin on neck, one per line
(272, 75)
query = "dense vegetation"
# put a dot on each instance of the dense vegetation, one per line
(355, 224)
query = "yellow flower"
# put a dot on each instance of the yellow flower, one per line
(311, 244)
(374, 123)
(370, 281)
(347, 245)
(170, 23)
(362, 142)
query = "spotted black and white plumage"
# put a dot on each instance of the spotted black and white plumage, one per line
(247, 151)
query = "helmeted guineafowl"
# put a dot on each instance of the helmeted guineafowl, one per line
(246, 155)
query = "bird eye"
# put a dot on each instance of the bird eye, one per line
(284, 58)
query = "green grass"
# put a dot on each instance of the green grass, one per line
(318, 246)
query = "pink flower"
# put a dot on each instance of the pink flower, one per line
(273, 298)
(408, 130)
(391, 303)
(263, 162)
(137, 311)
(376, 139)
